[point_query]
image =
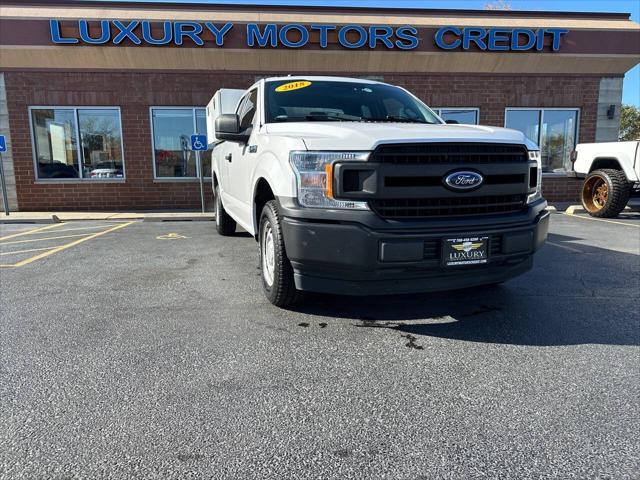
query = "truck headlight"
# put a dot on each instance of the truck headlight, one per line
(314, 175)
(535, 176)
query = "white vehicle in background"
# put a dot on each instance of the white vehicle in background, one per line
(612, 173)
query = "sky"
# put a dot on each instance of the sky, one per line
(631, 89)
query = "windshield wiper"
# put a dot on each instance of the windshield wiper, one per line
(395, 118)
(333, 116)
(319, 117)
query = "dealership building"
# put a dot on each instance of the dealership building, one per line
(98, 100)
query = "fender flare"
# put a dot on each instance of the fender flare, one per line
(625, 164)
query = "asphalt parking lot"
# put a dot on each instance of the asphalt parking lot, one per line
(147, 350)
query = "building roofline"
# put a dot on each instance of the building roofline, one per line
(306, 9)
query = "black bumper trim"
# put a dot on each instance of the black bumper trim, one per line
(347, 257)
(433, 283)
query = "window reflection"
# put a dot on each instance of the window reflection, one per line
(554, 130)
(58, 154)
(172, 130)
(55, 142)
(101, 143)
(558, 139)
(527, 121)
(201, 127)
(460, 115)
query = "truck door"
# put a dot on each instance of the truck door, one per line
(239, 160)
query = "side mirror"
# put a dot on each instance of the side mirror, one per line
(228, 128)
(452, 122)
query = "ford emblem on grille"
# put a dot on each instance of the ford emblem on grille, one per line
(463, 180)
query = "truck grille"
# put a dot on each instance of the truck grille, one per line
(410, 184)
(447, 207)
(449, 153)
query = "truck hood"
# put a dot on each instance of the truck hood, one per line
(367, 136)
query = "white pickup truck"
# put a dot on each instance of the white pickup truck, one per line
(611, 172)
(356, 187)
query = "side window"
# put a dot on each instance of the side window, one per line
(247, 109)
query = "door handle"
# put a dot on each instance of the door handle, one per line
(228, 157)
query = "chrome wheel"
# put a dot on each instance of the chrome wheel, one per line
(268, 255)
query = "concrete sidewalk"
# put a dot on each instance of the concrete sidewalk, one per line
(53, 217)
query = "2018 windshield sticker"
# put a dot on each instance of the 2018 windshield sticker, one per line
(287, 87)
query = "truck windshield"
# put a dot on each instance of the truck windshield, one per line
(326, 101)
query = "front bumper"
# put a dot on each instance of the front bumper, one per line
(333, 253)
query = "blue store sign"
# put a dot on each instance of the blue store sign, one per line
(291, 35)
(294, 35)
(498, 39)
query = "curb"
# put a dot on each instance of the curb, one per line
(146, 217)
(181, 218)
(573, 209)
(17, 221)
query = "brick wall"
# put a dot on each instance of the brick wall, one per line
(561, 189)
(134, 93)
(492, 94)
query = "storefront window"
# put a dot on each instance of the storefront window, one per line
(60, 156)
(558, 139)
(468, 116)
(54, 138)
(172, 130)
(201, 127)
(554, 130)
(527, 121)
(101, 143)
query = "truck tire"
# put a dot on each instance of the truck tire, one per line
(225, 225)
(605, 193)
(276, 270)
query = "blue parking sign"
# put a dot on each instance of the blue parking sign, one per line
(199, 143)
(3, 144)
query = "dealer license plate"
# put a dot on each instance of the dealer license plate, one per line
(465, 251)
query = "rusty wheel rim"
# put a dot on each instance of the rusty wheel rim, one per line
(595, 193)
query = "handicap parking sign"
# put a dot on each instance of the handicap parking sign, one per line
(199, 143)
(3, 144)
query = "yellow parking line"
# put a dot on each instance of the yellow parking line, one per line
(94, 227)
(29, 232)
(68, 245)
(602, 220)
(45, 238)
(26, 251)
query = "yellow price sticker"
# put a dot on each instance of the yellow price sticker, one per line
(287, 87)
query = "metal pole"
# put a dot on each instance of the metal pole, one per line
(4, 187)
(199, 157)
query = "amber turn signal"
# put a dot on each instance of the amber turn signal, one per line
(328, 168)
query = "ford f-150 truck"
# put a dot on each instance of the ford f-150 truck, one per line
(356, 187)
(611, 172)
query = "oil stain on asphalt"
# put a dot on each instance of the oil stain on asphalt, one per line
(412, 342)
